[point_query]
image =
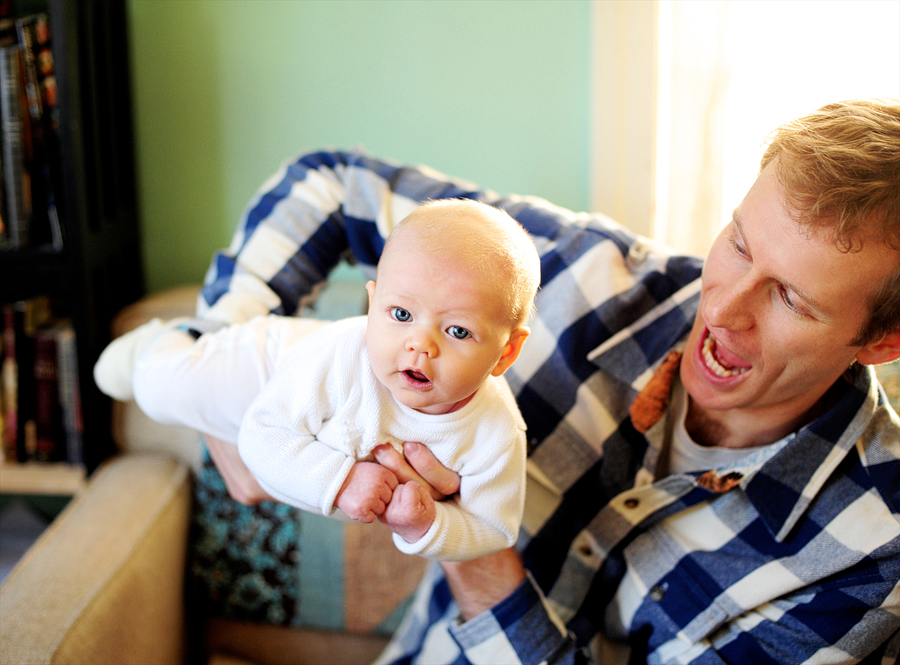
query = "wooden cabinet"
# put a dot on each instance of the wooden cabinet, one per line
(98, 270)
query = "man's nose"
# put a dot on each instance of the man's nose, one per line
(732, 306)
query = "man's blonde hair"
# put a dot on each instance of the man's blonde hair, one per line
(487, 239)
(840, 167)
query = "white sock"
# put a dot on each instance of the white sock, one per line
(114, 371)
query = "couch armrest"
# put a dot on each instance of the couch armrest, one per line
(105, 582)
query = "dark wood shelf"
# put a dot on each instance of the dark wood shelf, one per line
(99, 269)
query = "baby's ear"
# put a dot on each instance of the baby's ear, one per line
(370, 288)
(512, 350)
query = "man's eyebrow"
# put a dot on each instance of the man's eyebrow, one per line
(736, 220)
(800, 293)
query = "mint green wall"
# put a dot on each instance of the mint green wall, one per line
(224, 91)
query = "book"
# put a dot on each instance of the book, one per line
(28, 316)
(49, 436)
(50, 426)
(41, 154)
(9, 384)
(46, 73)
(40, 391)
(70, 393)
(5, 451)
(4, 236)
(7, 37)
(7, 23)
(17, 186)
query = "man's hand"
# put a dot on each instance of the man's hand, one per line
(366, 492)
(422, 481)
(240, 483)
(418, 463)
(480, 584)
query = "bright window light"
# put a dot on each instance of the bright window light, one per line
(793, 56)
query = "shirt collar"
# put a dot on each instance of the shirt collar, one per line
(633, 354)
(785, 486)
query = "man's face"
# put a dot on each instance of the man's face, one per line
(779, 308)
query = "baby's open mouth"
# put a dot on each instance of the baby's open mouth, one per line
(415, 375)
(716, 363)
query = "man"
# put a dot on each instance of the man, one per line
(714, 472)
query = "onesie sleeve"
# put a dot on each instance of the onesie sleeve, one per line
(277, 439)
(484, 517)
(194, 376)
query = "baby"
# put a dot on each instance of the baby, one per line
(308, 404)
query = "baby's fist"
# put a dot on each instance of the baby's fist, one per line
(410, 512)
(366, 492)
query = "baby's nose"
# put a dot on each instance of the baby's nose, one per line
(422, 343)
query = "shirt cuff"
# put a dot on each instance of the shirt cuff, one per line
(426, 546)
(521, 629)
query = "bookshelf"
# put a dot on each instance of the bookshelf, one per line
(98, 270)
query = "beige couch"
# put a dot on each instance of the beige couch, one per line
(105, 582)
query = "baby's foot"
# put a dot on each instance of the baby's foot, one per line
(114, 370)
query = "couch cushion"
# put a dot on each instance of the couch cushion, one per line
(278, 565)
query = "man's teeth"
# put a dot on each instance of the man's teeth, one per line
(708, 345)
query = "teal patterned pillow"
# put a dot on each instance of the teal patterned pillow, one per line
(275, 564)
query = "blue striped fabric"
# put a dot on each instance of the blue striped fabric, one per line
(796, 560)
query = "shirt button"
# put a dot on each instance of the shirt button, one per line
(657, 593)
(637, 254)
(632, 503)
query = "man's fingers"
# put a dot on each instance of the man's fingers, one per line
(419, 465)
(437, 476)
(389, 458)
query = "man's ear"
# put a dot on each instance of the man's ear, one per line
(884, 350)
(512, 350)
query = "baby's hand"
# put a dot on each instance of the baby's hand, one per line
(410, 512)
(366, 491)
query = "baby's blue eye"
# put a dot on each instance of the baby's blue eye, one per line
(458, 332)
(401, 314)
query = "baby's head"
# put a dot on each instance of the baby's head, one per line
(454, 289)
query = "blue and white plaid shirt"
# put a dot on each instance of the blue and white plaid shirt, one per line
(790, 556)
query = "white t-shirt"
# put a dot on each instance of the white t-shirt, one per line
(685, 455)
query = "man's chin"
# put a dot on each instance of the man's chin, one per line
(708, 391)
